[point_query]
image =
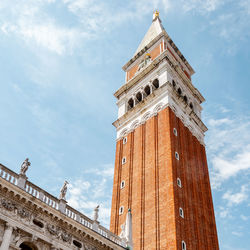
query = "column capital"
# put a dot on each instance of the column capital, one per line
(8, 225)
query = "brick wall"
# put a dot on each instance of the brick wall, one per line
(151, 190)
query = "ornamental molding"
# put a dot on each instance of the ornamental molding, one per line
(165, 96)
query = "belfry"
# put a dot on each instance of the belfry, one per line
(161, 173)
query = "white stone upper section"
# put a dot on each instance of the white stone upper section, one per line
(154, 30)
(171, 92)
(163, 82)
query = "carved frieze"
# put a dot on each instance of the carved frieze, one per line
(66, 237)
(23, 213)
(53, 230)
(89, 247)
(9, 205)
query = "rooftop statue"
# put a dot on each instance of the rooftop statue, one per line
(63, 191)
(96, 213)
(24, 167)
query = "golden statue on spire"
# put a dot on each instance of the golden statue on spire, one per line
(156, 14)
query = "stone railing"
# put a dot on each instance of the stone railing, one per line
(58, 204)
(8, 175)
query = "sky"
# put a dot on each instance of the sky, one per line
(61, 63)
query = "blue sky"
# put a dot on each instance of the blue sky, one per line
(61, 63)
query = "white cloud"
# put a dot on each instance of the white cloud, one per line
(218, 122)
(228, 147)
(203, 6)
(31, 22)
(236, 198)
(223, 212)
(225, 167)
(245, 218)
(106, 171)
(238, 234)
(86, 192)
(45, 34)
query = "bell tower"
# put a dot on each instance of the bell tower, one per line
(161, 171)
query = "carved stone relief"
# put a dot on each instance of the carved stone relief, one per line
(23, 213)
(89, 247)
(9, 205)
(53, 230)
(66, 237)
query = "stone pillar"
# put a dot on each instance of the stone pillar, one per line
(21, 181)
(7, 237)
(41, 195)
(62, 206)
(95, 225)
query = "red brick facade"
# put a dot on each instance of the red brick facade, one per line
(151, 191)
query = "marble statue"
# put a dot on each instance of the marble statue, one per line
(63, 191)
(24, 167)
(96, 213)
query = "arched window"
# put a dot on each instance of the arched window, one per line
(121, 210)
(147, 90)
(173, 83)
(175, 131)
(28, 246)
(77, 243)
(181, 212)
(125, 139)
(139, 96)
(156, 83)
(191, 105)
(183, 245)
(122, 184)
(124, 160)
(130, 103)
(177, 156)
(179, 182)
(179, 91)
(185, 99)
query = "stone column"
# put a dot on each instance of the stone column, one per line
(7, 237)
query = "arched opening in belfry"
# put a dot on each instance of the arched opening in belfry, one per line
(179, 91)
(185, 99)
(130, 103)
(147, 90)
(139, 96)
(174, 84)
(28, 246)
(191, 105)
(156, 83)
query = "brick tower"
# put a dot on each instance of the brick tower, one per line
(161, 170)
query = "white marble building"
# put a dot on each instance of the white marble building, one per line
(32, 219)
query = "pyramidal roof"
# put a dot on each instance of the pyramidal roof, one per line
(154, 30)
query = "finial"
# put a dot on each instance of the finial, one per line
(156, 14)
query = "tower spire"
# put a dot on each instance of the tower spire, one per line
(154, 30)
